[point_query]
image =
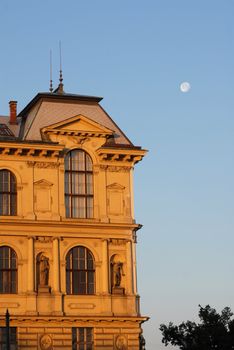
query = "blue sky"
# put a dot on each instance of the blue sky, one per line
(136, 54)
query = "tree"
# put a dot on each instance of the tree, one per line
(215, 331)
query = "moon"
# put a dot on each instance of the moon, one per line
(185, 86)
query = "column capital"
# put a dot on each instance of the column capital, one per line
(31, 237)
(57, 238)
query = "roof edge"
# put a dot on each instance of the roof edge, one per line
(56, 96)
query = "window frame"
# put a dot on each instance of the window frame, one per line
(86, 344)
(7, 273)
(10, 195)
(74, 273)
(13, 337)
(71, 179)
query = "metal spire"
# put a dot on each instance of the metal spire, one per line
(51, 81)
(60, 87)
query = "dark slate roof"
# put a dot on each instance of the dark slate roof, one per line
(56, 96)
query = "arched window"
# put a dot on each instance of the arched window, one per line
(8, 193)
(78, 185)
(80, 271)
(8, 270)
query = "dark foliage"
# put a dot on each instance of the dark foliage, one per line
(215, 331)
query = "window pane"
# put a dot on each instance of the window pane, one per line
(81, 184)
(68, 282)
(67, 182)
(89, 179)
(75, 284)
(74, 160)
(68, 207)
(67, 162)
(81, 160)
(89, 207)
(89, 165)
(74, 183)
(81, 207)
(75, 206)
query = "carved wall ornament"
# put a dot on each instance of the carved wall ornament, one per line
(78, 140)
(46, 342)
(121, 342)
(118, 169)
(50, 165)
(116, 241)
(44, 239)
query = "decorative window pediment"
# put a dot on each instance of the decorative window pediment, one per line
(43, 183)
(78, 126)
(115, 186)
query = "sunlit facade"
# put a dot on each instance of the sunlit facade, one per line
(67, 227)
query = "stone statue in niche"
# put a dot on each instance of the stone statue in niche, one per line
(117, 273)
(44, 268)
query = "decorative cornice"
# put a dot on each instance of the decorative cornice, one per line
(66, 224)
(72, 319)
(131, 156)
(30, 149)
(82, 134)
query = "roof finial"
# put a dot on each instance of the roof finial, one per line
(60, 87)
(51, 81)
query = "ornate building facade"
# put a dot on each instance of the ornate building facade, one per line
(67, 227)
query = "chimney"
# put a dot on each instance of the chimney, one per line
(13, 112)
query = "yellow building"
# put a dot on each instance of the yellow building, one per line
(67, 227)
